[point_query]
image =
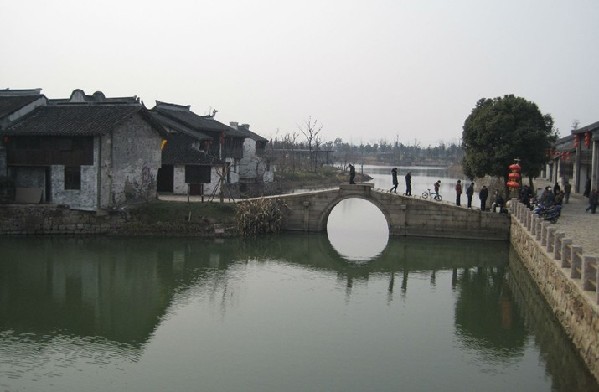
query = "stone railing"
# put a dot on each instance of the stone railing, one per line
(582, 266)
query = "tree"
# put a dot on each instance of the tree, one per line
(311, 129)
(504, 128)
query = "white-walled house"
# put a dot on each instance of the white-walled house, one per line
(88, 153)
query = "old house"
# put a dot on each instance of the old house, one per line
(204, 156)
(576, 157)
(254, 166)
(88, 152)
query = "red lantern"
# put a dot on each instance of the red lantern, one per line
(576, 141)
(514, 167)
(514, 176)
(587, 139)
(513, 184)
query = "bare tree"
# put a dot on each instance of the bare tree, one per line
(310, 130)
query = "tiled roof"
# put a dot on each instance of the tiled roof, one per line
(588, 128)
(199, 123)
(252, 135)
(179, 127)
(10, 104)
(179, 151)
(77, 120)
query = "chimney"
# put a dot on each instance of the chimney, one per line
(234, 124)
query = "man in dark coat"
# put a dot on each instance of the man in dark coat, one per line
(394, 179)
(352, 173)
(408, 184)
(483, 195)
(469, 193)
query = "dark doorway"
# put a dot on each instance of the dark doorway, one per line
(165, 179)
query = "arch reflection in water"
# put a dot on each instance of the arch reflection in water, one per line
(357, 230)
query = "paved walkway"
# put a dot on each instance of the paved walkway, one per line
(582, 227)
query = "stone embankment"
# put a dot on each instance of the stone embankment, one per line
(46, 219)
(562, 259)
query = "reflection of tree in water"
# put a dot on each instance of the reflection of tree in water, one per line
(486, 317)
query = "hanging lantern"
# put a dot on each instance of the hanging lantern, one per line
(576, 141)
(514, 176)
(587, 139)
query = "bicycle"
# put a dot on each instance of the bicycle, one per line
(432, 195)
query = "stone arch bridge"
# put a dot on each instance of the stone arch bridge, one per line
(405, 216)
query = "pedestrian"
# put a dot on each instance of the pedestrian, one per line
(593, 201)
(458, 191)
(567, 190)
(408, 184)
(437, 185)
(394, 179)
(556, 188)
(499, 202)
(587, 187)
(352, 173)
(483, 195)
(469, 193)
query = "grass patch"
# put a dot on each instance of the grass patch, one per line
(172, 211)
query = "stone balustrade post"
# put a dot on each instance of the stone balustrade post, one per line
(544, 226)
(550, 239)
(576, 262)
(566, 253)
(557, 248)
(533, 225)
(589, 273)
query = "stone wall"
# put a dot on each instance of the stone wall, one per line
(45, 219)
(563, 275)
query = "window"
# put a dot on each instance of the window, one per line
(72, 177)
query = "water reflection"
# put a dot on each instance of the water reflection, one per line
(69, 306)
(357, 230)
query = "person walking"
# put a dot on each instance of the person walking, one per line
(567, 190)
(469, 193)
(394, 179)
(593, 201)
(408, 184)
(458, 191)
(352, 173)
(483, 195)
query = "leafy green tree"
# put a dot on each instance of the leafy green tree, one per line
(504, 128)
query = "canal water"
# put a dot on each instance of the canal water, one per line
(349, 310)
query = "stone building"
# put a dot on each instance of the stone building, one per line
(87, 152)
(202, 155)
(576, 157)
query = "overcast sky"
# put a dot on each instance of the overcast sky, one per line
(366, 70)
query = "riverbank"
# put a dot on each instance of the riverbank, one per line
(564, 270)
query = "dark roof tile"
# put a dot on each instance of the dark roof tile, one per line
(75, 120)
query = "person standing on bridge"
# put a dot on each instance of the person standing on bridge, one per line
(469, 193)
(483, 195)
(408, 184)
(437, 185)
(352, 173)
(458, 192)
(394, 178)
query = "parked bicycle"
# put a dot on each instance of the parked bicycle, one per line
(432, 195)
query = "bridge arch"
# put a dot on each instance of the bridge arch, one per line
(323, 219)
